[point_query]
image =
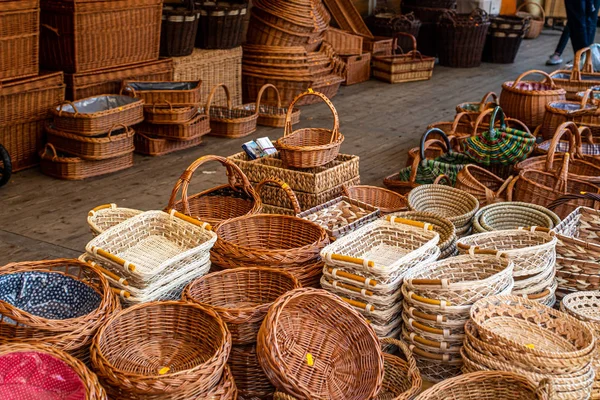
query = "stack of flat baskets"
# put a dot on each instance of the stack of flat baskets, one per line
(578, 251)
(437, 300)
(108, 215)
(513, 215)
(366, 268)
(512, 334)
(153, 255)
(533, 253)
(443, 226)
(585, 306)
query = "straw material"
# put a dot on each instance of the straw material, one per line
(178, 29)
(344, 43)
(386, 200)
(190, 96)
(300, 334)
(484, 185)
(475, 109)
(441, 225)
(580, 77)
(129, 350)
(20, 37)
(221, 25)
(559, 112)
(241, 296)
(106, 216)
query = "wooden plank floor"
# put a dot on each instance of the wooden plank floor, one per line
(41, 217)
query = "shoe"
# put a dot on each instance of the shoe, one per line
(554, 59)
(569, 65)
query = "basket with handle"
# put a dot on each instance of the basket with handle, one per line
(241, 296)
(187, 131)
(536, 24)
(309, 147)
(178, 29)
(461, 126)
(287, 192)
(474, 109)
(513, 215)
(385, 200)
(228, 121)
(165, 113)
(461, 38)
(441, 225)
(481, 183)
(179, 94)
(106, 216)
(589, 147)
(322, 323)
(409, 66)
(219, 203)
(271, 115)
(580, 77)
(434, 148)
(526, 100)
(581, 111)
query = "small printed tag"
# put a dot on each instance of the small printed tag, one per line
(309, 360)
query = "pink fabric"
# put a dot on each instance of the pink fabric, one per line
(38, 376)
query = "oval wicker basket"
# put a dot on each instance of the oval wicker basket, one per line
(250, 379)
(229, 121)
(309, 147)
(106, 216)
(443, 226)
(481, 183)
(513, 215)
(241, 296)
(536, 24)
(386, 200)
(271, 115)
(474, 109)
(297, 348)
(131, 351)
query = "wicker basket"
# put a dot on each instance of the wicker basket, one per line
(73, 322)
(221, 25)
(106, 216)
(66, 167)
(442, 226)
(219, 203)
(461, 38)
(485, 186)
(249, 377)
(83, 36)
(409, 67)
(187, 131)
(357, 69)
(526, 100)
(579, 112)
(241, 296)
(179, 94)
(199, 334)
(474, 109)
(513, 215)
(288, 192)
(536, 24)
(167, 114)
(93, 148)
(504, 38)
(385, 200)
(228, 121)
(152, 146)
(178, 30)
(269, 115)
(316, 312)
(344, 43)
(41, 359)
(309, 147)
(588, 148)
(579, 78)
(95, 116)
(20, 37)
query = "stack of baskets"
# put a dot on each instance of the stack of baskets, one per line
(585, 306)
(153, 255)
(437, 299)
(533, 253)
(168, 349)
(222, 24)
(443, 226)
(242, 297)
(428, 12)
(366, 268)
(461, 37)
(578, 251)
(91, 137)
(172, 117)
(509, 333)
(504, 38)
(512, 215)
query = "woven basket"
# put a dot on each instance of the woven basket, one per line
(193, 129)
(241, 296)
(106, 216)
(167, 114)
(221, 24)
(588, 148)
(105, 111)
(513, 215)
(344, 43)
(153, 146)
(269, 115)
(93, 148)
(386, 200)
(580, 112)
(20, 20)
(309, 147)
(288, 192)
(198, 333)
(249, 377)
(178, 94)
(219, 203)
(526, 100)
(441, 225)
(178, 30)
(536, 24)
(580, 77)
(485, 186)
(461, 37)
(74, 334)
(228, 121)
(41, 371)
(474, 109)
(322, 322)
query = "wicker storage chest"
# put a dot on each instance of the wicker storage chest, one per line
(19, 38)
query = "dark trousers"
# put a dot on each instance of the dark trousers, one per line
(582, 16)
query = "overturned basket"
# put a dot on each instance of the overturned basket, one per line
(309, 147)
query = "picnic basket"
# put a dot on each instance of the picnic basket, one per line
(178, 94)
(72, 321)
(536, 24)
(319, 312)
(385, 200)
(241, 296)
(309, 147)
(271, 115)
(588, 147)
(165, 113)
(513, 215)
(197, 331)
(106, 216)
(461, 37)
(481, 183)
(96, 115)
(526, 100)
(178, 29)
(229, 121)
(34, 368)
(113, 144)
(408, 67)
(219, 203)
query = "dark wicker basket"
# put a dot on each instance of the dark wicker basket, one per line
(388, 23)
(461, 38)
(448, 4)
(221, 24)
(504, 38)
(178, 30)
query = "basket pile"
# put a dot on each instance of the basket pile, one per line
(512, 334)
(461, 37)
(91, 137)
(504, 38)
(533, 253)
(429, 13)
(168, 349)
(153, 255)
(437, 299)
(443, 226)
(513, 215)
(580, 77)
(60, 302)
(366, 268)
(242, 297)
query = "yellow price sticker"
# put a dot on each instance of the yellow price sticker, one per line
(310, 90)
(309, 360)
(285, 186)
(530, 346)
(164, 370)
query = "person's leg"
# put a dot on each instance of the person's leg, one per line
(555, 58)
(577, 22)
(593, 21)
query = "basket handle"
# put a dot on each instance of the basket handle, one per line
(417, 160)
(576, 71)
(531, 3)
(212, 94)
(233, 172)
(520, 124)
(351, 260)
(347, 275)
(262, 90)
(547, 78)
(106, 272)
(112, 128)
(491, 196)
(484, 101)
(349, 287)
(562, 175)
(478, 250)
(573, 196)
(585, 99)
(537, 296)
(426, 135)
(358, 304)
(575, 145)
(511, 188)
(113, 258)
(426, 354)
(426, 300)
(412, 312)
(586, 132)
(414, 40)
(457, 120)
(442, 177)
(53, 149)
(492, 130)
(413, 370)
(160, 102)
(126, 87)
(410, 222)
(286, 188)
(336, 120)
(545, 389)
(67, 103)
(101, 207)
(191, 220)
